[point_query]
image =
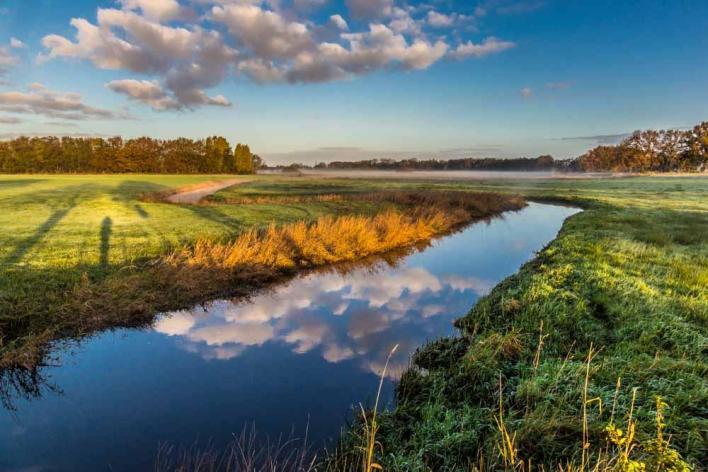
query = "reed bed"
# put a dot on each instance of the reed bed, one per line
(407, 218)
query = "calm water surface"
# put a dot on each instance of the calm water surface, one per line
(303, 353)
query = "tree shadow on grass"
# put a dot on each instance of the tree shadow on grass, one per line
(214, 214)
(28, 243)
(14, 183)
(141, 211)
(105, 246)
(129, 191)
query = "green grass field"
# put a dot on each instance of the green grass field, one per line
(70, 221)
(629, 275)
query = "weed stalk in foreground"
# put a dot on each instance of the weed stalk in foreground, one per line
(373, 427)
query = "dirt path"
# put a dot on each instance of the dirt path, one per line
(193, 196)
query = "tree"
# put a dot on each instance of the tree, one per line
(217, 155)
(243, 159)
(258, 162)
(697, 148)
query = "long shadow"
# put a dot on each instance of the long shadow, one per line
(13, 183)
(25, 246)
(130, 190)
(141, 211)
(106, 229)
(212, 213)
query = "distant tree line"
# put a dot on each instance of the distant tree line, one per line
(643, 151)
(541, 163)
(651, 151)
(212, 155)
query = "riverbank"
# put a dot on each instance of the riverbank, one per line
(78, 301)
(603, 329)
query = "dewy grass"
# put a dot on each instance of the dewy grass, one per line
(606, 282)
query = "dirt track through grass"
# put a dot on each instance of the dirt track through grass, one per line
(195, 195)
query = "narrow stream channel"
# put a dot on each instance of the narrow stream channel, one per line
(304, 353)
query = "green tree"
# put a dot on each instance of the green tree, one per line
(243, 159)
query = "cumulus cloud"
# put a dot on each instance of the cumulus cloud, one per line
(339, 22)
(39, 100)
(490, 45)
(188, 60)
(161, 10)
(440, 20)
(145, 91)
(265, 32)
(179, 53)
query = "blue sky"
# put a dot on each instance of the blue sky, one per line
(310, 80)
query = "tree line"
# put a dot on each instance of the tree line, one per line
(541, 163)
(651, 151)
(642, 151)
(212, 155)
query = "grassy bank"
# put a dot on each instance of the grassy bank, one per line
(50, 292)
(624, 283)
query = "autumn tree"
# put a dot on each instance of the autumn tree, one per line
(697, 148)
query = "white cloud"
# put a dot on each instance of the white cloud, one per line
(177, 324)
(490, 45)
(151, 93)
(264, 32)
(475, 284)
(440, 20)
(16, 43)
(339, 22)
(161, 10)
(249, 334)
(403, 22)
(188, 60)
(180, 53)
(65, 105)
(526, 92)
(145, 91)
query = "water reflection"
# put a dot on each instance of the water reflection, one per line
(303, 353)
(355, 315)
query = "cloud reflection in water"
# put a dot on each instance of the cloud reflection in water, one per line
(355, 316)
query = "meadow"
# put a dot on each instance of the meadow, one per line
(579, 344)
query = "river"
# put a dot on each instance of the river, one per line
(298, 356)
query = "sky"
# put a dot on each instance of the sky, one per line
(320, 80)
